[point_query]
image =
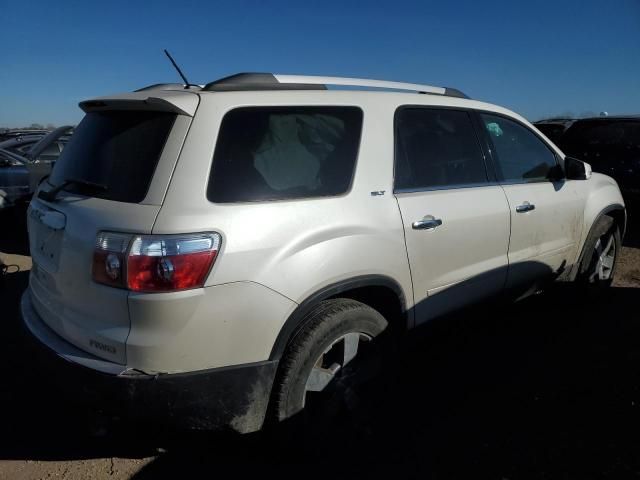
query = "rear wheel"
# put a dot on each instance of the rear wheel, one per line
(601, 250)
(328, 361)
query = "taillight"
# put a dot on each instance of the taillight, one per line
(109, 258)
(167, 263)
(155, 263)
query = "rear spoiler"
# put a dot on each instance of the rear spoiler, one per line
(182, 103)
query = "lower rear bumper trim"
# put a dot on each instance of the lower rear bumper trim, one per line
(227, 398)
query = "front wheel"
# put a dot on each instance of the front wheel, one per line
(601, 251)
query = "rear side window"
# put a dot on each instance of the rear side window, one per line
(521, 156)
(437, 149)
(274, 153)
(117, 149)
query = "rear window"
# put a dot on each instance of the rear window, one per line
(117, 149)
(275, 153)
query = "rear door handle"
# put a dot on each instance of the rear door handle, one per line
(525, 207)
(427, 223)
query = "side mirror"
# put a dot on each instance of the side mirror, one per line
(576, 169)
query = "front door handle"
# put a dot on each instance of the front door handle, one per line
(427, 223)
(525, 207)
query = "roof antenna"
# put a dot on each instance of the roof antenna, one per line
(175, 65)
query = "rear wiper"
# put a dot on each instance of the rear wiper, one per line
(50, 196)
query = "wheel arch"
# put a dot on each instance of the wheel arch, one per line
(616, 211)
(378, 291)
(619, 215)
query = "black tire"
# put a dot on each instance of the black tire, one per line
(604, 230)
(328, 322)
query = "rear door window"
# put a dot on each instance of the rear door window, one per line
(275, 153)
(117, 149)
(437, 148)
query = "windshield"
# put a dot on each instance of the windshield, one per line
(117, 149)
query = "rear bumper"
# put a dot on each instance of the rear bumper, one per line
(234, 398)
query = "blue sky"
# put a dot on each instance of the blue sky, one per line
(538, 58)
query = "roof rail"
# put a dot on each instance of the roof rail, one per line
(257, 81)
(269, 81)
(167, 86)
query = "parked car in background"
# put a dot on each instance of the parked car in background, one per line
(14, 179)
(233, 252)
(21, 141)
(611, 145)
(8, 133)
(554, 128)
(23, 144)
(24, 161)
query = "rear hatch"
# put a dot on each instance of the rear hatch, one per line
(116, 170)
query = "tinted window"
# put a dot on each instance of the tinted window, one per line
(436, 148)
(519, 153)
(284, 152)
(117, 149)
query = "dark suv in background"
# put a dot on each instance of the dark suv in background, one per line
(611, 145)
(554, 128)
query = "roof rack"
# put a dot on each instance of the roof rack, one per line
(168, 86)
(269, 81)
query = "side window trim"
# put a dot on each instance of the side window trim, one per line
(486, 145)
(488, 166)
(493, 156)
(458, 186)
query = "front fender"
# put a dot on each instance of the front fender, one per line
(602, 196)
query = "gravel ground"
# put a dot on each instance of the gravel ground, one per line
(546, 388)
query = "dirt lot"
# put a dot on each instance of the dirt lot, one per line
(547, 388)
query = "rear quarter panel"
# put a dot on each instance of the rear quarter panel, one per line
(293, 247)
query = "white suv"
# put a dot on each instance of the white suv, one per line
(230, 250)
